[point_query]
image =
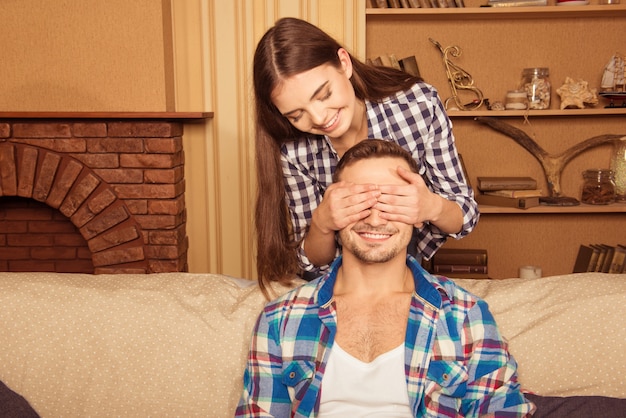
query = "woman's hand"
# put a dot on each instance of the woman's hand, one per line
(343, 204)
(412, 203)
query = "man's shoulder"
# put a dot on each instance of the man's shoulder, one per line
(452, 291)
(303, 294)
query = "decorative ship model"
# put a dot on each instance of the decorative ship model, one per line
(613, 85)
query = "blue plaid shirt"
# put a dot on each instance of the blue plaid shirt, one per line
(456, 361)
(416, 120)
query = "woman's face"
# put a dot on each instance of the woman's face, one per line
(321, 100)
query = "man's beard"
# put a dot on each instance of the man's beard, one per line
(373, 252)
(375, 256)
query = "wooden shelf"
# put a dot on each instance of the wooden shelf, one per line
(558, 210)
(617, 111)
(551, 12)
(181, 116)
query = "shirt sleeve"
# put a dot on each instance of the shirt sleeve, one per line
(444, 176)
(492, 386)
(307, 172)
(264, 394)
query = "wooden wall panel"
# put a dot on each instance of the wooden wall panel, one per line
(220, 157)
(85, 55)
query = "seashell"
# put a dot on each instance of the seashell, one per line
(576, 93)
(497, 106)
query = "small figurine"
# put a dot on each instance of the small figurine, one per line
(576, 93)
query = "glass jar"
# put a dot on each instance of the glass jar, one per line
(536, 83)
(598, 187)
(618, 165)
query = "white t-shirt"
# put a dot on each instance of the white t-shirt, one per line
(353, 388)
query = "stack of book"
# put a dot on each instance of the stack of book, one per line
(601, 258)
(516, 3)
(515, 192)
(413, 4)
(406, 64)
(460, 263)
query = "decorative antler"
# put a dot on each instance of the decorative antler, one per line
(552, 165)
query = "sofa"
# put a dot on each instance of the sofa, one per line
(175, 344)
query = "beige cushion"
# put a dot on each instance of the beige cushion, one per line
(119, 345)
(567, 333)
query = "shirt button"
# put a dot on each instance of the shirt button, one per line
(292, 375)
(445, 376)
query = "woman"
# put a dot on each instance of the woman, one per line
(314, 101)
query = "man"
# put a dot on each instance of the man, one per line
(378, 335)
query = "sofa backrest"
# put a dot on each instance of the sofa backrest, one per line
(176, 343)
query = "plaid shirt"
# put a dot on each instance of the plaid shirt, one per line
(456, 362)
(416, 120)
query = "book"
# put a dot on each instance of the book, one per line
(394, 62)
(510, 202)
(460, 256)
(459, 268)
(378, 61)
(515, 193)
(415, 4)
(486, 184)
(583, 259)
(518, 3)
(618, 262)
(384, 59)
(601, 255)
(608, 258)
(594, 258)
(409, 65)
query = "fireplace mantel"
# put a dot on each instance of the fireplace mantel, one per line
(189, 117)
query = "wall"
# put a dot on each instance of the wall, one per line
(166, 55)
(214, 43)
(86, 55)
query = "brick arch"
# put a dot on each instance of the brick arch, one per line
(64, 183)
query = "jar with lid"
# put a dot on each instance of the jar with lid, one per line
(536, 83)
(598, 187)
(618, 165)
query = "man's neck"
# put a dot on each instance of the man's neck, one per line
(373, 279)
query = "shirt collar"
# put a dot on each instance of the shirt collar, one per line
(426, 286)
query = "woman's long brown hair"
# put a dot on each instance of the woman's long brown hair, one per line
(290, 47)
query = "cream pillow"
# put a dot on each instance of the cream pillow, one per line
(170, 344)
(567, 333)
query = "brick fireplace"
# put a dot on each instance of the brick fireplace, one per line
(93, 193)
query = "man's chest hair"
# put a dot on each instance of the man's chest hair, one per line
(367, 330)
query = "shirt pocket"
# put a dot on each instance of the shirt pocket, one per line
(298, 372)
(450, 376)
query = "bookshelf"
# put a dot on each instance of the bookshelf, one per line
(556, 210)
(496, 45)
